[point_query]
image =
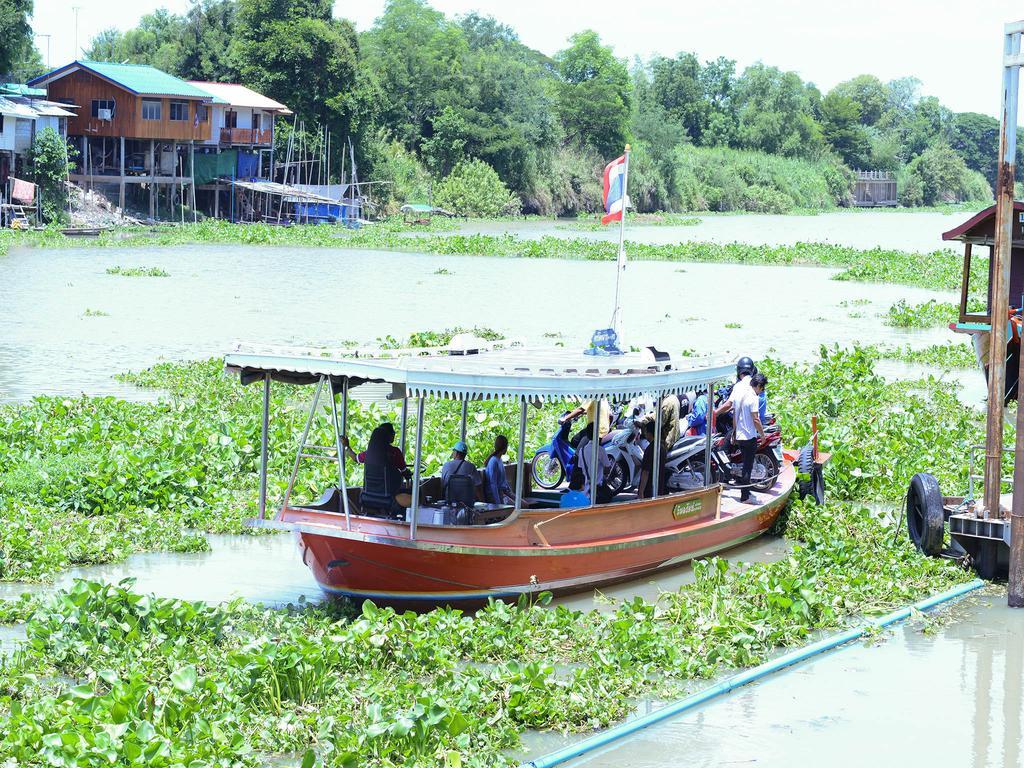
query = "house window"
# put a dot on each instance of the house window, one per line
(203, 113)
(150, 109)
(106, 106)
(179, 110)
(255, 121)
(231, 119)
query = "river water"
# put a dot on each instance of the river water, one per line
(952, 698)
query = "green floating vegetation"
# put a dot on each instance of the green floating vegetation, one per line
(945, 356)
(930, 313)
(89, 312)
(138, 271)
(939, 270)
(109, 675)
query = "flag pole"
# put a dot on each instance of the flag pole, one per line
(620, 266)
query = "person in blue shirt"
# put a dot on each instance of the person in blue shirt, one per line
(699, 415)
(496, 487)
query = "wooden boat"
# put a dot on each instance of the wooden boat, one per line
(495, 551)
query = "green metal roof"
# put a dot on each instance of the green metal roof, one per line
(17, 89)
(143, 79)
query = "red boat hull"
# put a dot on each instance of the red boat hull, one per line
(549, 550)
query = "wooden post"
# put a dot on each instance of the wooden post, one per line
(1000, 286)
(192, 173)
(152, 179)
(174, 180)
(216, 200)
(120, 196)
(1004, 230)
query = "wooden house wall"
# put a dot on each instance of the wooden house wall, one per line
(82, 87)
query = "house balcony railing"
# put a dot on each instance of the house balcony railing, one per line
(251, 136)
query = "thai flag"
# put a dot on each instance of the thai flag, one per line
(614, 189)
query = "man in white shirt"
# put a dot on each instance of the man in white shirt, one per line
(748, 427)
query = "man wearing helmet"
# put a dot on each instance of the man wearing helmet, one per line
(745, 368)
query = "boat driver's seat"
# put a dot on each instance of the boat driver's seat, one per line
(460, 489)
(377, 493)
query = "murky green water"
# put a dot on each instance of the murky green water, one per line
(948, 698)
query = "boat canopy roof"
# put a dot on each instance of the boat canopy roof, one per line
(495, 373)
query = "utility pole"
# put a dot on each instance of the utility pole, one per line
(76, 9)
(1004, 228)
(39, 34)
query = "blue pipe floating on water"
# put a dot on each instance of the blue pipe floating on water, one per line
(610, 735)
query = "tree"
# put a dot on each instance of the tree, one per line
(16, 40)
(939, 175)
(869, 93)
(676, 87)
(50, 163)
(593, 94)
(840, 123)
(774, 112)
(155, 41)
(416, 57)
(294, 51)
(205, 51)
(475, 189)
(976, 138)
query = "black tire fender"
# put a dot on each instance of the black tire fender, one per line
(926, 520)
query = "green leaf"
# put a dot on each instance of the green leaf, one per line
(184, 679)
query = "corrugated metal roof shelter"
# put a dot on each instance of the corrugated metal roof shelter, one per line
(547, 375)
(140, 79)
(237, 95)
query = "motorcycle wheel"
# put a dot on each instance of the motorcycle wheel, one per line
(547, 470)
(770, 464)
(618, 478)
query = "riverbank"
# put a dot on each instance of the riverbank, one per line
(937, 270)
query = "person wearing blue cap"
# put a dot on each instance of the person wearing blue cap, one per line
(458, 464)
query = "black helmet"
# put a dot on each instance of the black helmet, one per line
(745, 366)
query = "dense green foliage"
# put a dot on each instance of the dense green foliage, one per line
(938, 356)
(51, 160)
(474, 189)
(421, 93)
(18, 56)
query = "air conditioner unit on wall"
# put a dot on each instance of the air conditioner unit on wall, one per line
(105, 114)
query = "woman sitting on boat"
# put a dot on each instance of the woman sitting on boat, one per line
(385, 472)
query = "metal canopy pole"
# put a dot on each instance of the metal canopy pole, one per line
(521, 452)
(302, 443)
(339, 430)
(465, 413)
(416, 467)
(656, 470)
(999, 288)
(595, 437)
(264, 442)
(1004, 240)
(709, 428)
(405, 423)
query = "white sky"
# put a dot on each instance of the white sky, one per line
(953, 47)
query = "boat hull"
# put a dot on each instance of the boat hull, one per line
(553, 551)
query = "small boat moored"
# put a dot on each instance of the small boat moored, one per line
(444, 552)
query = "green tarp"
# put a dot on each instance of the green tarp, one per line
(211, 167)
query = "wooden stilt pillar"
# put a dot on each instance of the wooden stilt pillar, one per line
(120, 196)
(152, 179)
(216, 201)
